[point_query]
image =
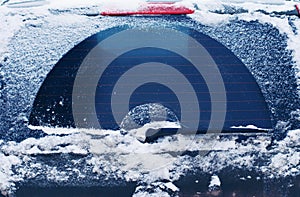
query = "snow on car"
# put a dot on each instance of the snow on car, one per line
(161, 105)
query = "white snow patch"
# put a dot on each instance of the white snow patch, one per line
(287, 159)
(10, 23)
(214, 181)
(249, 127)
(66, 19)
(118, 5)
(155, 194)
(273, 2)
(48, 145)
(7, 179)
(171, 186)
(210, 18)
(53, 130)
(55, 175)
(68, 4)
(25, 3)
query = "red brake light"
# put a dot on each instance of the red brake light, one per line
(152, 8)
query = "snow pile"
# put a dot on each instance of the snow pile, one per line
(118, 5)
(7, 180)
(156, 189)
(122, 157)
(286, 159)
(48, 145)
(215, 183)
